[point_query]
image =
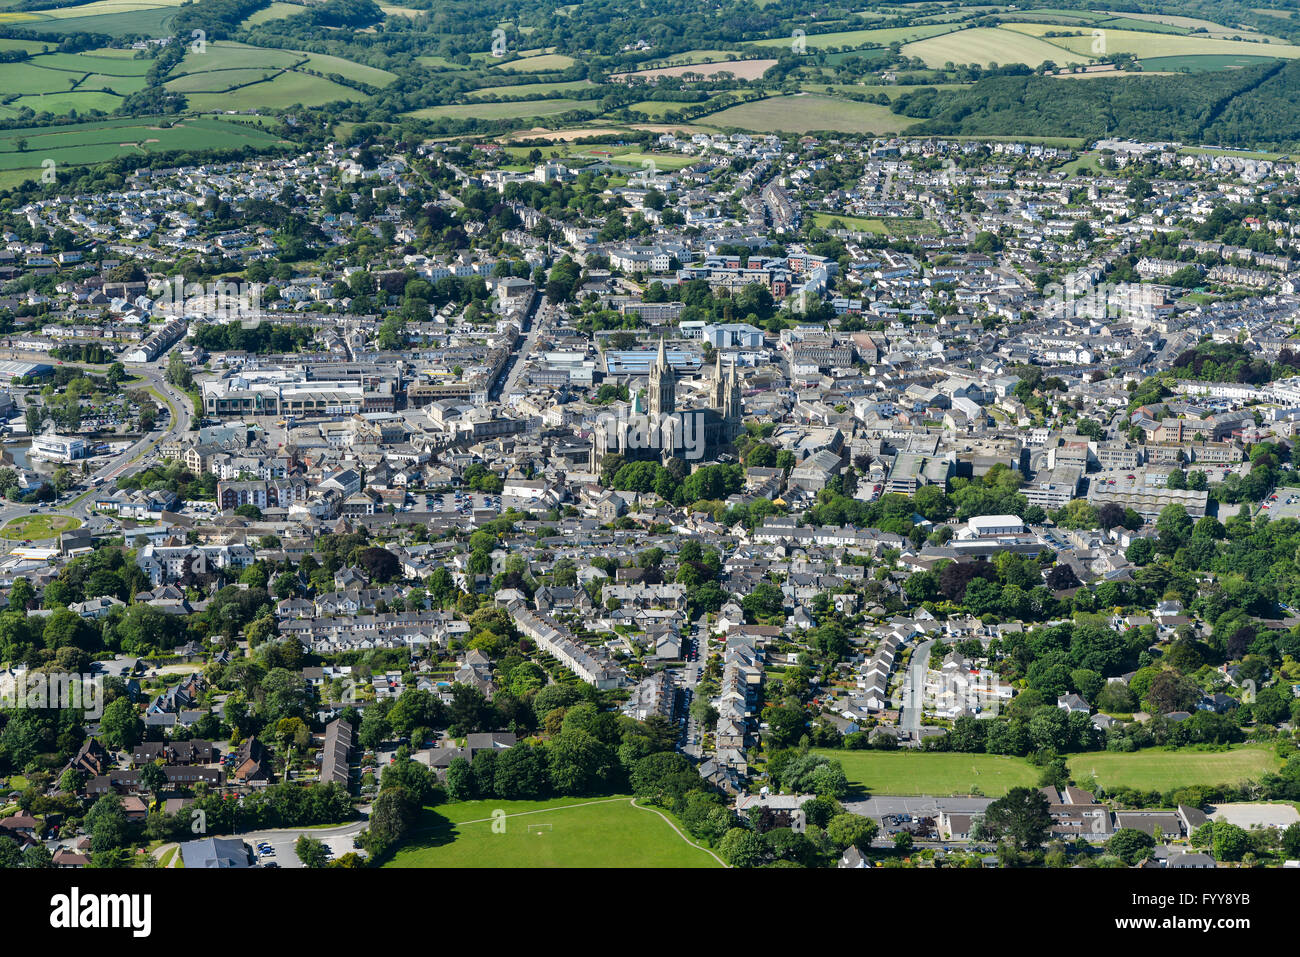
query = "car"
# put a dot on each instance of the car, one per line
(270, 864)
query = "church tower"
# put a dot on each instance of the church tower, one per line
(731, 408)
(663, 385)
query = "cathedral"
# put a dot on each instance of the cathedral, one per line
(663, 431)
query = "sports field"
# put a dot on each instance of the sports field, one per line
(1153, 770)
(808, 112)
(565, 832)
(906, 772)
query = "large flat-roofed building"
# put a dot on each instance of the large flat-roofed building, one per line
(1145, 492)
(985, 526)
(284, 392)
(59, 448)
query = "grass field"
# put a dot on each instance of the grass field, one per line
(93, 142)
(506, 111)
(544, 63)
(1202, 63)
(881, 227)
(276, 11)
(531, 90)
(740, 69)
(1144, 45)
(857, 38)
(905, 772)
(114, 18)
(1165, 770)
(37, 527)
(989, 45)
(803, 114)
(602, 832)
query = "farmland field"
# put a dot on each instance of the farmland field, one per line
(1165, 770)
(1201, 64)
(538, 90)
(566, 832)
(99, 140)
(989, 45)
(222, 55)
(506, 111)
(357, 72)
(547, 62)
(850, 38)
(1163, 45)
(284, 90)
(939, 774)
(740, 69)
(804, 113)
(276, 11)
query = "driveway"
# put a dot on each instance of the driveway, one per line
(339, 839)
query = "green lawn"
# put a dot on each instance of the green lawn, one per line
(906, 772)
(1152, 770)
(806, 112)
(598, 832)
(36, 527)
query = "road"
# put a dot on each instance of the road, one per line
(914, 689)
(538, 316)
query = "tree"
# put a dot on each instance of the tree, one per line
(120, 726)
(1130, 845)
(310, 851)
(1020, 818)
(392, 816)
(855, 830)
(153, 778)
(1230, 841)
(743, 848)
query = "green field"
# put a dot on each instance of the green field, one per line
(544, 63)
(857, 38)
(505, 111)
(93, 142)
(985, 45)
(530, 90)
(1144, 45)
(1202, 64)
(276, 11)
(602, 832)
(283, 90)
(114, 18)
(1152, 770)
(37, 527)
(881, 227)
(906, 772)
(803, 114)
